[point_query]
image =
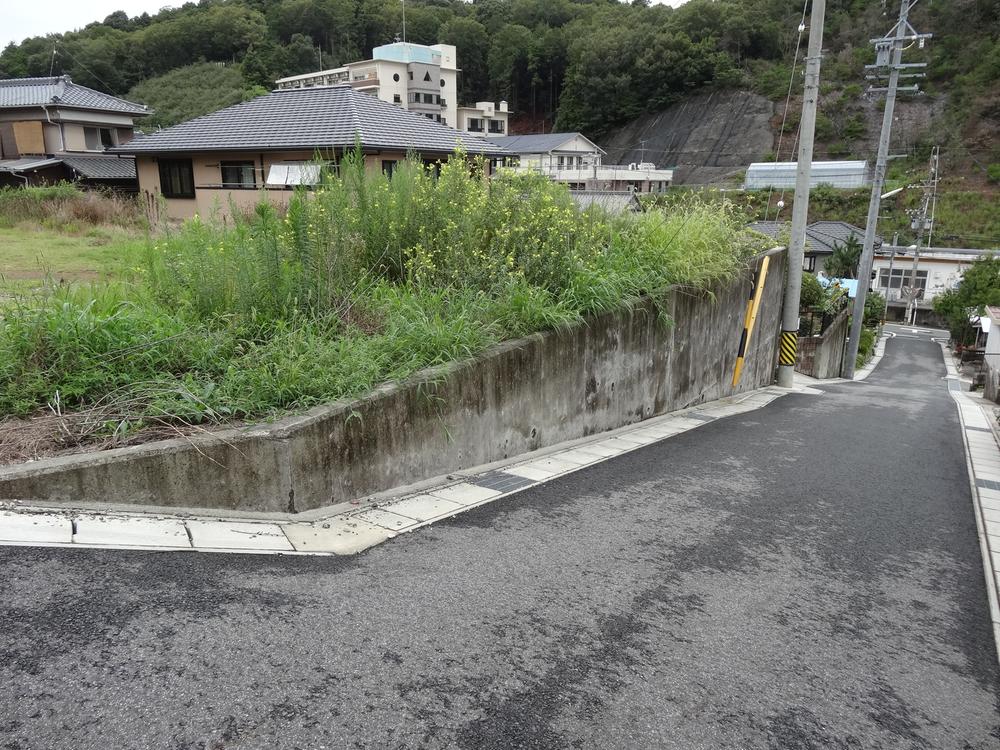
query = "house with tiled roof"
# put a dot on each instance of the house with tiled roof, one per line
(273, 143)
(52, 129)
(822, 238)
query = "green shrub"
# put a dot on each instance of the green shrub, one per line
(993, 173)
(866, 346)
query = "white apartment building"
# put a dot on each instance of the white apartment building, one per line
(575, 160)
(417, 77)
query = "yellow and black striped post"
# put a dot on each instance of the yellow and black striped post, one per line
(788, 347)
(753, 305)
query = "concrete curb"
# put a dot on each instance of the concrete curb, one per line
(982, 455)
(353, 530)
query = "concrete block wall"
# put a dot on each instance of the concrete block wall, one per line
(822, 356)
(654, 357)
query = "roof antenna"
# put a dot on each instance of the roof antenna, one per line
(404, 21)
(52, 63)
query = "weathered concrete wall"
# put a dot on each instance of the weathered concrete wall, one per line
(520, 396)
(822, 356)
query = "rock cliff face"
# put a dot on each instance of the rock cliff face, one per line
(705, 138)
(710, 138)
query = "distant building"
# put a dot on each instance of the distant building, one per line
(781, 174)
(938, 270)
(416, 77)
(612, 202)
(575, 160)
(52, 129)
(822, 237)
(223, 160)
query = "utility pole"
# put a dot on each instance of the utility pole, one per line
(888, 56)
(888, 281)
(788, 345)
(921, 222)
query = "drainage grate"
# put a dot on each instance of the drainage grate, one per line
(979, 429)
(988, 484)
(501, 481)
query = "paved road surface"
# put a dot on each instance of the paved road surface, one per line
(804, 576)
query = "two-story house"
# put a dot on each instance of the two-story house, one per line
(52, 129)
(576, 161)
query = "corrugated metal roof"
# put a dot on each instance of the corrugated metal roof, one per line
(61, 91)
(612, 201)
(540, 143)
(782, 167)
(102, 167)
(27, 164)
(312, 118)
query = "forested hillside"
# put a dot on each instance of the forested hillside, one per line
(589, 65)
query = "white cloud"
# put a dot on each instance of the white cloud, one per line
(24, 19)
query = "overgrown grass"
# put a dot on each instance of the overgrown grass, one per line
(63, 205)
(363, 280)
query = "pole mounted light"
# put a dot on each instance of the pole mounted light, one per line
(891, 193)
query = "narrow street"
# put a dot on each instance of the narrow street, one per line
(803, 576)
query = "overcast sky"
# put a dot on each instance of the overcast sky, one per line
(25, 18)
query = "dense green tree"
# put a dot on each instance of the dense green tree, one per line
(843, 262)
(471, 37)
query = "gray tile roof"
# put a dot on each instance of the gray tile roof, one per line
(821, 236)
(313, 118)
(102, 167)
(60, 90)
(540, 143)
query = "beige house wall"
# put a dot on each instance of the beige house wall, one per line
(74, 138)
(213, 200)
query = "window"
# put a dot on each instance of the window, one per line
(442, 83)
(98, 139)
(176, 178)
(388, 167)
(496, 126)
(428, 98)
(238, 174)
(395, 77)
(901, 278)
(427, 76)
(475, 125)
(411, 75)
(397, 99)
(562, 161)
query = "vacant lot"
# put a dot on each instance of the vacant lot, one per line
(34, 252)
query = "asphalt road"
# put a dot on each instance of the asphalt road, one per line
(803, 576)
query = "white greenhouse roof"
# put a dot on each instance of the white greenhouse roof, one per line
(818, 167)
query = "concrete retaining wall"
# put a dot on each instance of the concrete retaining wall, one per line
(822, 356)
(613, 370)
